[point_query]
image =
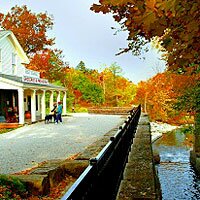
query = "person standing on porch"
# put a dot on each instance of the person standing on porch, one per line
(59, 113)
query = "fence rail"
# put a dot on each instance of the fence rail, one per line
(101, 179)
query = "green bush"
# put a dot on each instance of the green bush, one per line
(12, 186)
(81, 109)
(187, 129)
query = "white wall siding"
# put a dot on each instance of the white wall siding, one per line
(6, 56)
(20, 67)
(7, 49)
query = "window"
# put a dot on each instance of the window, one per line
(14, 67)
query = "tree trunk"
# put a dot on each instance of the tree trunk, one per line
(145, 103)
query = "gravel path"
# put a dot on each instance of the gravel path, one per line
(29, 145)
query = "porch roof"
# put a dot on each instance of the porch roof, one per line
(18, 81)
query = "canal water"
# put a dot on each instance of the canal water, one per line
(177, 177)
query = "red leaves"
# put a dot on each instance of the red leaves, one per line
(1, 16)
(50, 65)
(29, 28)
(77, 94)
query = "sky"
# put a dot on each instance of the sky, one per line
(87, 36)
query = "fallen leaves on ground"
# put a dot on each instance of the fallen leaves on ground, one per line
(56, 192)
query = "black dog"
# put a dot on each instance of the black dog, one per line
(48, 118)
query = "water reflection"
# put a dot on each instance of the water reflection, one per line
(177, 177)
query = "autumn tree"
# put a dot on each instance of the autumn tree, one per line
(50, 64)
(109, 80)
(118, 91)
(88, 90)
(29, 28)
(142, 92)
(175, 24)
(125, 92)
(158, 97)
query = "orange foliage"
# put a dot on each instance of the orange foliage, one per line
(159, 94)
(40, 63)
(49, 64)
(29, 28)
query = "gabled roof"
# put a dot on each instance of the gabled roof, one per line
(13, 39)
(3, 34)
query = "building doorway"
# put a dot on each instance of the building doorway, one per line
(9, 105)
(29, 103)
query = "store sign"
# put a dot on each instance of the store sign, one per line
(27, 79)
(32, 73)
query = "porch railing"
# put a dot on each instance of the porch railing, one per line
(101, 179)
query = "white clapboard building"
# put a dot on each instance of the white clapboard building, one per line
(22, 90)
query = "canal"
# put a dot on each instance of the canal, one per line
(177, 177)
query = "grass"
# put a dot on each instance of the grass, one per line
(11, 188)
(5, 130)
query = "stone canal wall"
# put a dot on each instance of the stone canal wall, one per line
(140, 180)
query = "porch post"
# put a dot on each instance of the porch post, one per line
(64, 103)
(39, 103)
(58, 97)
(43, 104)
(21, 105)
(51, 100)
(33, 106)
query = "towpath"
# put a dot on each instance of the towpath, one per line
(29, 145)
